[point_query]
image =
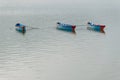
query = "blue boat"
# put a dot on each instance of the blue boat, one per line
(95, 27)
(66, 27)
(20, 27)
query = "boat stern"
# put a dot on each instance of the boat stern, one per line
(73, 27)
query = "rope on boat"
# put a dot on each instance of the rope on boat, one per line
(81, 25)
(32, 27)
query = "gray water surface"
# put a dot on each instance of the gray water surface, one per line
(46, 53)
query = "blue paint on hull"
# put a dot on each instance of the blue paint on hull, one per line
(20, 28)
(66, 27)
(95, 27)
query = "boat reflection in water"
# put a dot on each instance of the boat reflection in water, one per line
(100, 31)
(67, 31)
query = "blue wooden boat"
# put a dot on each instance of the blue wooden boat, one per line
(95, 27)
(20, 27)
(66, 27)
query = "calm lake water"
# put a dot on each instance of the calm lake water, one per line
(46, 53)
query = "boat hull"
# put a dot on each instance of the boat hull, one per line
(95, 27)
(66, 27)
(20, 28)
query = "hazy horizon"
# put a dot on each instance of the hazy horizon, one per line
(28, 3)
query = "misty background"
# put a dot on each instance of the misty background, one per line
(36, 4)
